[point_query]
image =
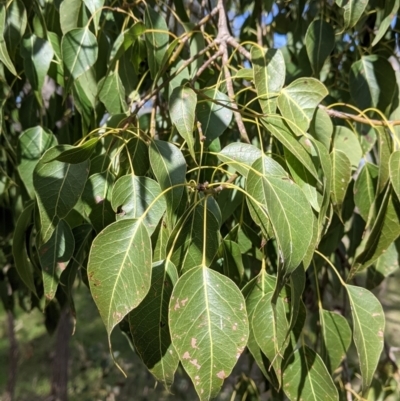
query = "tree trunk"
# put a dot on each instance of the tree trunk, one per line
(12, 358)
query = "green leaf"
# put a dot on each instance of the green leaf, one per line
(22, 262)
(321, 127)
(240, 156)
(244, 73)
(269, 76)
(341, 176)
(95, 6)
(297, 284)
(15, 25)
(58, 186)
(336, 335)
(365, 191)
(69, 14)
(112, 93)
(55, 255)
(232, 264)
(119, 270)
(394, 171)
(149, 325)
(353, 10)
(288, 210)
(306, 377)
(79, 51)
(194, 240)
(320, 41)
(214, 118)
(4, 56)
(78, 154)
(390, 12)
(385, 148)
(32, 143)
(298, 101)
(136, 197)
(280, 130)
(38, 54)
(368, 330)
(270, 328)
(182, 106)
(209, 327)
(371, 83)
(169, 167)
(157, 39)
(346, 141)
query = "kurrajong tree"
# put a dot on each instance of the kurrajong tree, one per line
(218, 195)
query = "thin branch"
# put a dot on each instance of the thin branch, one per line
(205, 65)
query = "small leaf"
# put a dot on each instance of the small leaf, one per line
(368, 330)
(269, 76)
(79, 51)
(22, 262)
(112, 93)
(78, 154)
(341, 176)
(54, 257)
(119, 270)
(390, 12)
(138, 197)
(320, 41)
(306, 377)
(298, 101)
(353, 10)
(149, 325)
(182, 106)
(214, 118)
(15, 25)
(209, 327)
(394, 172)
(169, 167)
(58, 186)
(157, 39)
(32, 143)
(336, 334)
(244, 73)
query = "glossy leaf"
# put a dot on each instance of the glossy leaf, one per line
(136, 197)
(214, 118)
(336, 335)
(32, 143)
(209, 327)
(119, 270)
(55, 255)
(288, 210)
(182, 106)
(394, 171)
(306, 377)
(156, 39)
(341, 175)
(320, 41)
(58, 186)
(368, 330)
(297, 102)
(269, 76)
(149, 324)
(169, 167)
(22, 262)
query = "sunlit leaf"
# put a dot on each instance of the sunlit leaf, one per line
(69, 14)
(391, 8)
(346, 141)
(341, 175)
(94, 6)
(112, 93)
(209, 327)
(394, 171)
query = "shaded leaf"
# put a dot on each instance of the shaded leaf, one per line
(95, 6)
(321, 127)
(15, 25)
(394, 172)
(112, 93)
(385, 148)
(4, 56)
(353, 10)
(341, 176)
(78, 154)
(209, 327)
(119, 270)
(232, 264)
(391, 8)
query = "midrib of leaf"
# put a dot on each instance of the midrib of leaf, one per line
(78, 52)
(309, 370)
(209, 326)
(119, 274)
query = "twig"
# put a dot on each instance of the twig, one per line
(209, 61)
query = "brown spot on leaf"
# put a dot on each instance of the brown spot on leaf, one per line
(194, 362)
(183, 302)
(193, 343)
(186, 355)
(221, 375)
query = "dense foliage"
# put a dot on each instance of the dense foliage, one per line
(216, 194)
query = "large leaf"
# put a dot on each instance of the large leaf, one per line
(149, 324)
(368, 330)
(156, 39)
(371, 83)
(54, 256)
(306, 377)
(209, 327)
(78, 154)
(182, 106)
(336, 336)
(79, 51)
(390, 11)
(119, 270)
(69, 14)
(58, 186)
(138, 197)
(394, 171)
(320, 41)
(32, 143)
(38, 54)
(15, 25)
(112, 93)
(22, 262)
(353, 10)
(169, 167)
(269, 76)
(288, 210)
(298, 101)
(214, 118)
(4, 56)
